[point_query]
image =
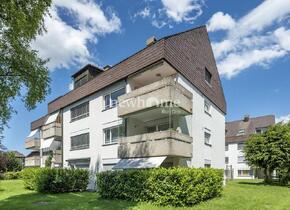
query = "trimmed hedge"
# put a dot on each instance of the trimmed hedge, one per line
(161, 186)
(55, 180)
(12, 175)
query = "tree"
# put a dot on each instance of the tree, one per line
(271, 151)
(3, 162)
(13, 164)
(48, 160)
(22, 73)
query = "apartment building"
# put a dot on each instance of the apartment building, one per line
(162, 106)
(237, 132)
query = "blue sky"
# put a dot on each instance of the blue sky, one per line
(251, 42)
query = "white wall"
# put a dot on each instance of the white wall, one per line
(233, 154)
(216, 123)
(98, 120)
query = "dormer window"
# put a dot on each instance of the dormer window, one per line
(208, 76)
(241, 132)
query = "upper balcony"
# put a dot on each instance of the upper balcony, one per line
(160, 143)
(52, 130)
(163, 92)
(32, 141)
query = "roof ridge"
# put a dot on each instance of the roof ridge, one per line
(251, 118)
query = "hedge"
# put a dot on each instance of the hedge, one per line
(12, 175)
(161, 186)
(55, 180)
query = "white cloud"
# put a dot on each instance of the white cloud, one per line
(67, 45)
(283, 37)
(71, 86)
(142, 13)
(283, 119)
(170, 12)
(182, 10)
(220, 21)
(250, 40)
(234, 63)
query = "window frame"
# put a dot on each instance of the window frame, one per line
(207, 103)
(242, 161)
(226, 147)
(111, 103)
(227, 159)
(81, 116)
(239, 147)
(241, 132)
(207, 132)
(240, 174)
(207, 76)
(110, 129)
(80, 147)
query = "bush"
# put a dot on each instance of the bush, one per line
(161, 186)
(12, 175)
(29, 175)
(56, 180)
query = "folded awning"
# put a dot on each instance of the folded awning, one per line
(34, 134)
(151, 162)
(52, 118)
(50, 144)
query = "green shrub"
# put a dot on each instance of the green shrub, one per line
(12, 175)
(174, 186)
(29, 175)
(56, 180)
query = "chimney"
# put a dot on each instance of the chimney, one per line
(151, 40)
(106, 67)
(246, 118)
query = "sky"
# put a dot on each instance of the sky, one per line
(250, 40)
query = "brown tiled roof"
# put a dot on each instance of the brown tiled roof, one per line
(37, 123)
(188, 52)
(250, 126)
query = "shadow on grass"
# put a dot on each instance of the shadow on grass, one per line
(70, 201)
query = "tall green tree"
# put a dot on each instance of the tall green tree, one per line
(22, 73)
(271, 151)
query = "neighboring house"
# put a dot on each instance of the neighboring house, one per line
(237, 132)
(162, 106)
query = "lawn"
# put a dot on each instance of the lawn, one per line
(236, 195)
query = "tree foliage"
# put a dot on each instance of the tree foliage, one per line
(9, 162)
(271, 151)
(22, 73)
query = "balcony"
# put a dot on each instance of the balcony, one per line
(52, 130)
(32, 143)
(161, 143)
(165, 91)
(57, 157)
(32, 161)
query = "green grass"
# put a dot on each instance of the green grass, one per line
(236, 195)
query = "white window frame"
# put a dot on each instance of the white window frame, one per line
(104, 133)
(241, 132)
(242, 174)
(242, 161)
(241, 149)
(84, 115)
(207, 104)
(207, 132)
(111, 104)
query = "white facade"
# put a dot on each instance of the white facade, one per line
(235, 161)
(103, 156)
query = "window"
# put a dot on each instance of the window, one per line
(261, 130)
(207, 136)
(207, 107)
(244, 173)
(227, 147)
(111, 99)
(240, 146)
(241, 159)
(79, 163)
(208, 76)
(207, 165)
(80, 111)
(227, 160)
(160, 127)
(80, 141)
(79, 82)
(241, 132)
(108, 166)
(111, 135)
